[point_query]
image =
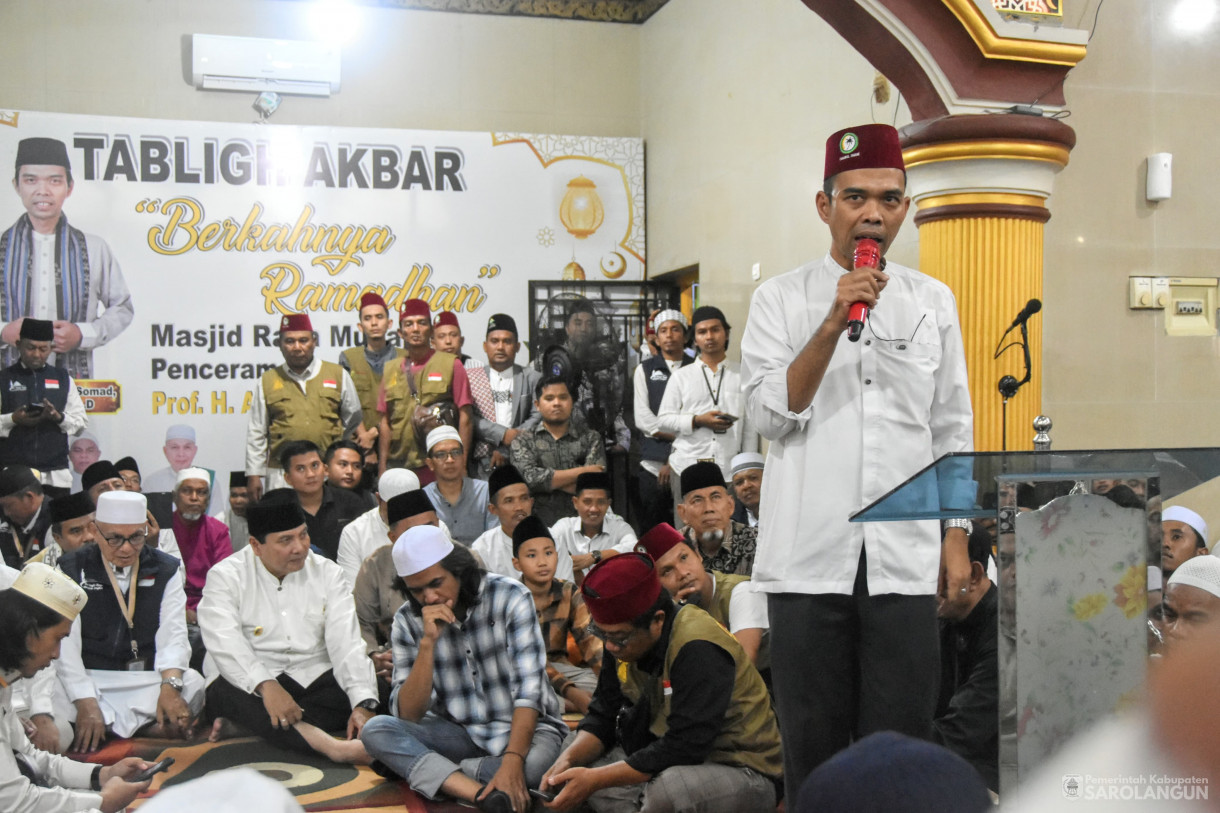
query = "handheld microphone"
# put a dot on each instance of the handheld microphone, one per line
(1031, 307)
(868, 255)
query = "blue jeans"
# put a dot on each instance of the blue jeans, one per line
(428, 752)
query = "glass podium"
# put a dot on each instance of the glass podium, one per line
(1074, 532)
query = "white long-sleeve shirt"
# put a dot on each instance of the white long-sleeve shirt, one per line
(173, 645)
(360, 540)
(256, 430)
(256, 627)
(887, 406)
(30, 695)
(495, 548)
(68, 779)
(645, 420)
(693, 390)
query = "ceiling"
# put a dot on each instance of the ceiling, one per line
(606, 11)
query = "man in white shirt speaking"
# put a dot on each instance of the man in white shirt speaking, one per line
(848, 421)
(279, 622)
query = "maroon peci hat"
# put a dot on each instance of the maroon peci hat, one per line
(659, 541)
(415, 307)
(296, 321)
(868, 146)
(373, 298)
(446, 318)
(621, 588)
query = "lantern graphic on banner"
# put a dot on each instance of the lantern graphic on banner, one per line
(573, 271)
(581, 210)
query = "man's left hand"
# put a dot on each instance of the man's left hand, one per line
(172, 713)
(44, 734)
(67, 337)
(576, 785)
(50, 414)
(954, 566)
(582, 561)
(124, 769)
(356, 722)
(510, 778)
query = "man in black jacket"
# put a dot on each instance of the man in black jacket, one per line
(967, 720)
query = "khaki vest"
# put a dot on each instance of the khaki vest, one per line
(295, 415)
(434, 382)
(749, 736)
(725, 582)
(368, 383)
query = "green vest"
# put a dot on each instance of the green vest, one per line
(433, 382)
(368, 383)
(749, 736)
(295, 415)
(725, 582)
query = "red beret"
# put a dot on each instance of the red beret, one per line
(415, 307)
(296, 321)
(868, 146)
(659, 541)
(372, 298)
(446, 318)
(621, 588)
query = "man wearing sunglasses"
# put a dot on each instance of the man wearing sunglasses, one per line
(680, 719)
(124, 666)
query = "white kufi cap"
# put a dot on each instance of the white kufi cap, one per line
(193, 473)
(395, 482)
(443, 432)
(1180, 513)
(1202, 572)
(746, 461)
(50, 587)
(121, 508)
(419, 549)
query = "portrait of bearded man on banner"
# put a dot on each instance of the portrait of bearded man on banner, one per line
(53, 271)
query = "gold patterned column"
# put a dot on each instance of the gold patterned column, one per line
(980, 206)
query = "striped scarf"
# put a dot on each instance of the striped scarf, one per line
(71, 284)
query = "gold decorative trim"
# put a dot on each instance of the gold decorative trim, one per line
(994, 46)
(605, 11)
(986, 148)
(981, 198)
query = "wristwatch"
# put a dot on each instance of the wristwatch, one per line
(367, 705)
(597, 556)
(174, 683)
(965, 524)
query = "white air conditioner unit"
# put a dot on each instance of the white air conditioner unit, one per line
(297, 67)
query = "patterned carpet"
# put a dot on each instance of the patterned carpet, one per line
(317, 783)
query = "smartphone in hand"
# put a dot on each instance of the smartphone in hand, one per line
(151, 771)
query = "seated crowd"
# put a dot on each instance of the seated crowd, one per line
(461, 607)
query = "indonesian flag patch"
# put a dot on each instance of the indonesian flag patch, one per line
(51, 384)
(331, 384)
(436, 376)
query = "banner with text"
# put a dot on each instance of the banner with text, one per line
(198, 236)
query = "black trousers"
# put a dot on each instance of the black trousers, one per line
(656, 501)
(322, 703)
(844, 667)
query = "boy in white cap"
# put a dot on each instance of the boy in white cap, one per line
(1183, 537)
(125, 666)
(368, 532)
(460, 501)
(466, 634)
(36, 613)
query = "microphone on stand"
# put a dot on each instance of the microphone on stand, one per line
(1008, 385)
(868, 255)
(1031, 307)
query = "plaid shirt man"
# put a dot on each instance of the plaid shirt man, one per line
(538, 455)
(564, 611)
(484, 666)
